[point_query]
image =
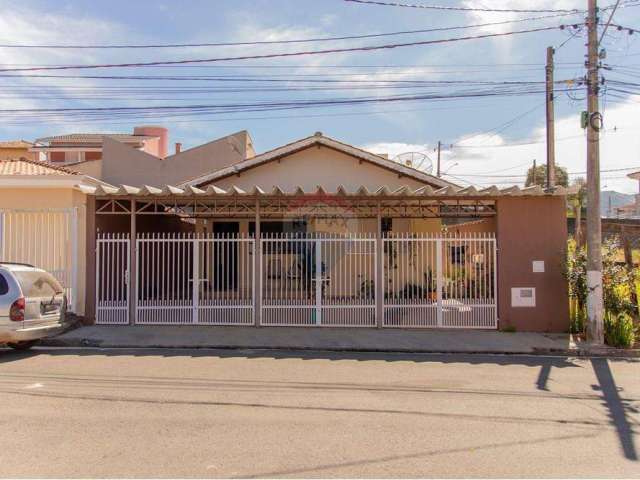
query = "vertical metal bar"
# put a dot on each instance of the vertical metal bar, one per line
(257, 269)
(439, 281)
(379, 270)
(318, 246)
(132, 264)
(196, 279)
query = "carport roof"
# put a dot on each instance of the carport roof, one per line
(256, 191)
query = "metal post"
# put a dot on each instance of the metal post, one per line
(257, 269)
(551, 136)
(595, 326)
(133, 264)
(318, 282)
(379, 271)
(439, 148)
(195, 285)
(439, 281)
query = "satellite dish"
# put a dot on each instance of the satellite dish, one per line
(416, 160)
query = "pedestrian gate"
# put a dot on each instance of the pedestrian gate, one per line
(401, 281)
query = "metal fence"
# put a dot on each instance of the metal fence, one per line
(47, 239)
(194, 279)
(440, 281)
(112, 278)
(402, 281)
(318, 280)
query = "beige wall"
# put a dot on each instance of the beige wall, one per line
(318, 165)
(124, 165)
(45, 199)
(15, 153)
(92, 168)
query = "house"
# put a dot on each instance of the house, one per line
(142, 158)
(631, 210)
(320, 233)
(43, 221)
(14, 149)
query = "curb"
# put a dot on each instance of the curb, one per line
(576, 352)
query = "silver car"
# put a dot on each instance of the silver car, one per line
(32, 305)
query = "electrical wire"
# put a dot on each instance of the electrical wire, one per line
(463, 9)
(285, 54)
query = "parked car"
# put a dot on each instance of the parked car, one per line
(32, 305)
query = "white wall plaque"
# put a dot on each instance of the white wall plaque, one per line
(538, 266)
(523, 297)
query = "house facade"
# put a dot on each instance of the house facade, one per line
(319, 233)
(43, 221)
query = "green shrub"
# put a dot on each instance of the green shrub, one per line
(619, 330)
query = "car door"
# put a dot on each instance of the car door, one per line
(44, 298)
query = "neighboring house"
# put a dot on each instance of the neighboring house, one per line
(43, 221)
(631, 210)
(77, 148)
(320, 233)
(15, 149)
(141, 158)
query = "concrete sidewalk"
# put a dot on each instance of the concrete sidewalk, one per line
(336, 339)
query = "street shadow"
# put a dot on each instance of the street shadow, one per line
(616, 406)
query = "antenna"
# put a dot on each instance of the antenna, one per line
(417, 160)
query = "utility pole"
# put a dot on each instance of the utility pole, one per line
(551, 135)
(535, 173)
(595, 323)
(438, 168)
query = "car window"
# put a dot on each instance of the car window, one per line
(38, 284)
(4, 285)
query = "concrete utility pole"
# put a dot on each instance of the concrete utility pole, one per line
(551, 135)
(595, 308)
(439, 147)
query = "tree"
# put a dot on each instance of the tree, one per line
(539, 177)
(577, 203)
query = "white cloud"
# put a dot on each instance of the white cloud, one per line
(495, 158)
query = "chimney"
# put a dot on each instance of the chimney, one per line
(155, 131)
(178, 147)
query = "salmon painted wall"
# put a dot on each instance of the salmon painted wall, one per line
(528, 230)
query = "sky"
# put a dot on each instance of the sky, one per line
(486, 139)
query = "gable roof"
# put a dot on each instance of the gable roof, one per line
(15, 144)
(27, 167)
(82, 138)
(317, 139)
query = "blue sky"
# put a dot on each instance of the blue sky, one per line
(469, 125)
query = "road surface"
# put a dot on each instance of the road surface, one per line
(206, 413)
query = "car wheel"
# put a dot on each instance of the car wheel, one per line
(23, 345)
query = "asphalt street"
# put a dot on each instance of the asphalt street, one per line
(214, 413)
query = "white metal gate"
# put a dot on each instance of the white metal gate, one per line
(428, 281)
(318, 280)
(186, 279)
(112, 278)
(440, 281)
(47, 239)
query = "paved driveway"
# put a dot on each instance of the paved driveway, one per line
(204, 413)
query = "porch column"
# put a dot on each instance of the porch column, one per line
(133, 275)
(90, 269)
(379, 288)
(257, 269)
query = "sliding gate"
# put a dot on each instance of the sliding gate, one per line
(186, 279)
(401, 281)
(440, 281)
(318, 280)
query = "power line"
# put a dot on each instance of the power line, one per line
(463, 9)
(284, 55)
(278, 42)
